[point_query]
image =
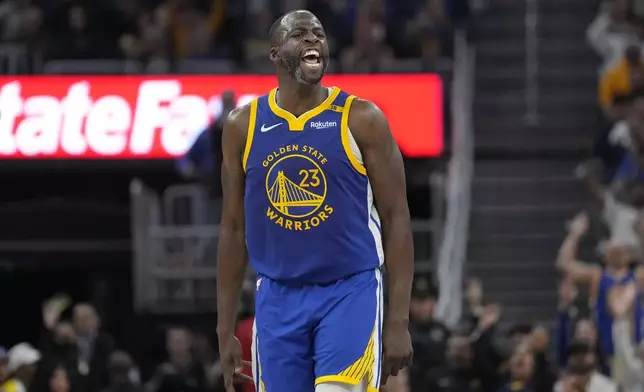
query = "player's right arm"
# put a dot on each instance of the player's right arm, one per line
(232, 257)
(567, 261)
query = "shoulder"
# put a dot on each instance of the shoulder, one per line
(368, 123)
(364, 112)
(236, 127)
(239, 117)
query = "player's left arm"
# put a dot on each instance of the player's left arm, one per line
(386, 172)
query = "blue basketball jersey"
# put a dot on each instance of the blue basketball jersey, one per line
(310, 214)
(603, 316)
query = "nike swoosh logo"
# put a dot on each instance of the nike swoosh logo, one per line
(266, 129)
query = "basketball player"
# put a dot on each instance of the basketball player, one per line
(304, 168)
(600, 280)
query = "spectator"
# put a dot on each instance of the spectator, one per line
(369, 50)
(611, 33)
(181, 373)
(629, 358)
(192, 30)
(544, 375)
(203, 160)
(429, 336)
(473, 303)
(619, 203)
(22, 365)
(487, 356)
(627, 133)
(58, 344)
(122, 372)
(622, 79)
(581, 371)
(58, 380)
(521, 371)
(94, 347)
(599, 280)
(519, 334)
(458, 374)
(80, 41)
(21, 21)
(570, 328)
(205, 355)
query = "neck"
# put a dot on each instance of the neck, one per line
(298, 98)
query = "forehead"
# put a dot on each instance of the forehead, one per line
(300, 20)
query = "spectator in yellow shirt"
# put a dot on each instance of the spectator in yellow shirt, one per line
(622, 79)
(22, 365)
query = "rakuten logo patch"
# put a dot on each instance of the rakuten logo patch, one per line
(83, 125)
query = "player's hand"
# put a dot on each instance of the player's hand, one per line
(397, 350)
(231, 362)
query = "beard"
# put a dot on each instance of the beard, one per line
(293, 66)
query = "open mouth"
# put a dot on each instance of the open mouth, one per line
(312, 58)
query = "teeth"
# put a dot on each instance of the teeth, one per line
(312, 53)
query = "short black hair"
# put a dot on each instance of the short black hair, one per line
(274, 33)
(424, 287)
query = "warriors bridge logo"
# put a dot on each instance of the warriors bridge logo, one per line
(296, 187)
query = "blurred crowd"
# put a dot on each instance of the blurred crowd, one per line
(74, 354)
(159, 32)
(596, 341)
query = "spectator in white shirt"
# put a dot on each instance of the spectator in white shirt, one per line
(627, 132)
(581, 371)
(619, 210)
(611, 33)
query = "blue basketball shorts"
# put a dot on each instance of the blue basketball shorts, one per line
(308, 335)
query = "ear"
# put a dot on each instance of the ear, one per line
(273, 55)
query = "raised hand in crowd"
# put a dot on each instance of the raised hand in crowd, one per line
(579, 225)
(53, 308)
(490, 317)
(474, 294)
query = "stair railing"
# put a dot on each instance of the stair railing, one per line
(453, 250)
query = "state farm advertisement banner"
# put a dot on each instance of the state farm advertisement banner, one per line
(122, 117)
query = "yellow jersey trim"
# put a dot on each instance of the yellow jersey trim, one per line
(252, 120)
(344, 132)
(298, 123)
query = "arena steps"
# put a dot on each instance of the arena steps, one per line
(518, 97)
(516, 227)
